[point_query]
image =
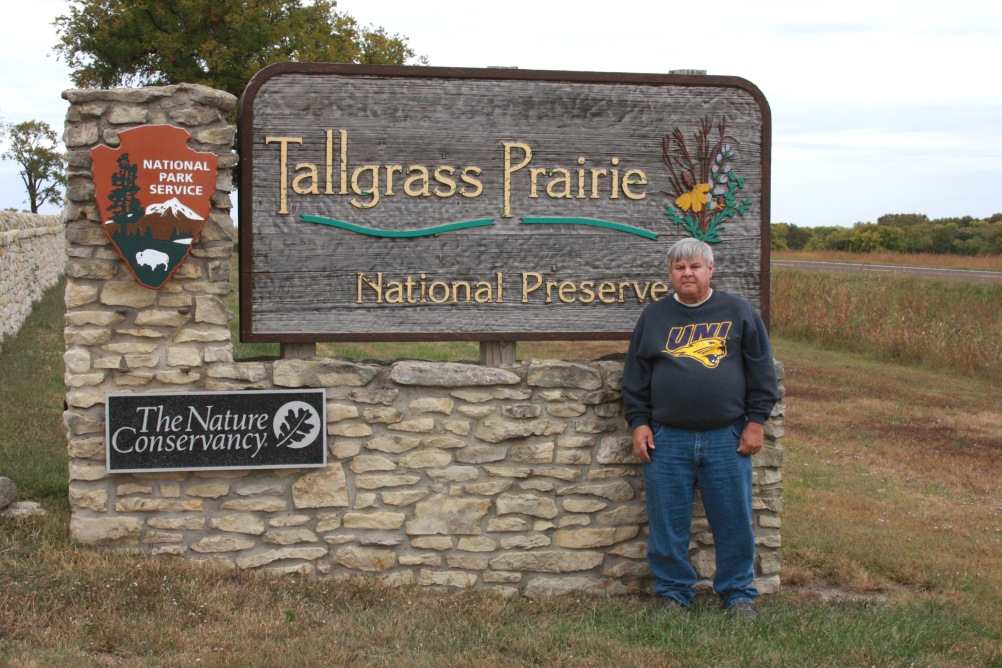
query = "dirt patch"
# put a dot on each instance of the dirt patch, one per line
(806, 586)
(838, 595)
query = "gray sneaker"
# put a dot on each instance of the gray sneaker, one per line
(744, 611)
(671, 606)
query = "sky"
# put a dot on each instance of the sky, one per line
(878, 106)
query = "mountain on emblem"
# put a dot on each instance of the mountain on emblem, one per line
(174, 208)
(168, 220)
(154, 193)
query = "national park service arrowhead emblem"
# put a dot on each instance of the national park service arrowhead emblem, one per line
(154, 193)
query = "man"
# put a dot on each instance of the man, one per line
(698, 386)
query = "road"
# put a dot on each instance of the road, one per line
(925, 272)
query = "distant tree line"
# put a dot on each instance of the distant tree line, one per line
(897, 233)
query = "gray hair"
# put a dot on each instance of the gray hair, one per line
(690, 249)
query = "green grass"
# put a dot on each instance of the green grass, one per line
(893, 501)
(32, 440)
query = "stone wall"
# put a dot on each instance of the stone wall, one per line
(32, 257)
(444, 474)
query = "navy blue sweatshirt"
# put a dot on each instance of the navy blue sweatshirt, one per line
(699, 367)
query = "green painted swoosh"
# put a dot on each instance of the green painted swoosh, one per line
(372, 232)
(619, 227)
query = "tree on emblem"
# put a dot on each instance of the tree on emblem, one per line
(124, 203)
(703, 181)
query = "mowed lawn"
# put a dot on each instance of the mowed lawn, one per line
(892, 536)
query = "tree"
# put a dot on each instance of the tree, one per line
(902, 219)
(124, 203)
(33, 146)
(870, 238)
(218, 43)
(777, 236)
(829, 237)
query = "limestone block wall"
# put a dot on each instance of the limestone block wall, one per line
(452, 475)
(32, 257)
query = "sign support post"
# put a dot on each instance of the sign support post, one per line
(498, 353)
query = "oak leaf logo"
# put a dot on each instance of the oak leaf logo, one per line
(296, 425)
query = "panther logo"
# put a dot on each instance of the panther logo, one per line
(707, 352)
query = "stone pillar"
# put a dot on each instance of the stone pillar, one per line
(121, 336)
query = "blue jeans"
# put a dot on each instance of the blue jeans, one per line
(680, 461)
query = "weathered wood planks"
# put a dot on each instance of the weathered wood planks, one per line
(548, 192)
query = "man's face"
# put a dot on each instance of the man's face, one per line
(691, 279)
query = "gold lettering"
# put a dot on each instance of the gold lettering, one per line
(564, 288)
(306, 171)
(409, 285)
(283, 168)
(390, 171)
(634, 177)
(604, 289)
(425, 290)
(509, 169)
(535, 173)
(461, 285)
(444, 289)
(485, 291)
(525, 284)
(419, 174)
(329, 164)
(468, 177)
(394, 293)
(615, 180)
(595, 173)
(641, 293)
(344, 162)
(372, 189)
(377, 287)
(440, 177)
(565, 180)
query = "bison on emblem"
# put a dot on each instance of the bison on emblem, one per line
(152, 258)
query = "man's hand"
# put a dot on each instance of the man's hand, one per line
(643, 442)
(751, 439)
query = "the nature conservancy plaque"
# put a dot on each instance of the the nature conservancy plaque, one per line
(196, 431)
(399, 203)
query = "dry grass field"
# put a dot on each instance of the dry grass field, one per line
(979, 262)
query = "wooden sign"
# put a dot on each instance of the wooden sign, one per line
(198, 431)
(415, 203)
(154, 193)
